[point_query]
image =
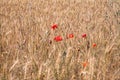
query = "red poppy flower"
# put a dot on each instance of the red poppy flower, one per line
(85, 64)
(70, 36)
(54, 26)
(58, 38)
(94, 45)
(84, 35)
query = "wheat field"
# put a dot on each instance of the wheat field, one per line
(28, 50)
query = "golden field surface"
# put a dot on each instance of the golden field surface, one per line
(28, 50)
